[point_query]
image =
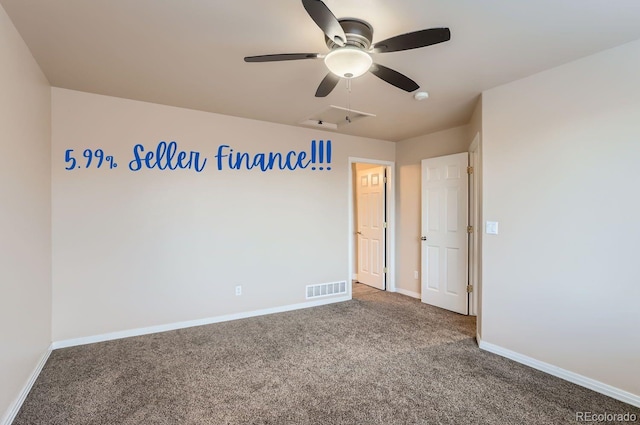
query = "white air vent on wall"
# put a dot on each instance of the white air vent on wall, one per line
(326, 289)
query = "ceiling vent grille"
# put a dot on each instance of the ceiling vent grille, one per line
(334, 117)
(326, 289)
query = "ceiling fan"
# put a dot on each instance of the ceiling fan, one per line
(350, 43)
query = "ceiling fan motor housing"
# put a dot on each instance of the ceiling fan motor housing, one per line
(359, 34)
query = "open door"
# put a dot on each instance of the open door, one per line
(445, 198)
(370, 206)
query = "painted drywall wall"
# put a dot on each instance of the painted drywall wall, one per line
(135, 249)
(560, 175)
(25, 220)
(475, 122)
(409, 154)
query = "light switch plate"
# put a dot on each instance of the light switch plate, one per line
(492, 227)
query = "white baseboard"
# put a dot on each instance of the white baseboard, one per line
(408, 293)
(354, 276)
(200, 322)
(583, 381)
(14, 408)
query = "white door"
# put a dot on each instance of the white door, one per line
(370, 204)
(444, 232)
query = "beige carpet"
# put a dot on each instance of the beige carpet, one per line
(381, 358)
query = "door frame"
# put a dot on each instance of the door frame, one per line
(390, 240)
(474, 220)
(365, 253)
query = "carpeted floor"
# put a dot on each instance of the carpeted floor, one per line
(382, 358)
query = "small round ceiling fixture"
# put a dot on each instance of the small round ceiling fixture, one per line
(421, 95)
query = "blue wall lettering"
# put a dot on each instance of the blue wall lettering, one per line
(321, 149)
(72, 163)
(227, 158)
(167, 156)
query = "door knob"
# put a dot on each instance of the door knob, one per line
(359, 233)
(424, 238)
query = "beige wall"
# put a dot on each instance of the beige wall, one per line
(25, 214)
(560, 281)
(475, 123)
(409, 154)
(148, 248)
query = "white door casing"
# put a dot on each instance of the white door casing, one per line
(474, 221)
(445, 197)
(370, 199)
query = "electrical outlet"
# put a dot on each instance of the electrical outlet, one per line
(416, 274)
(238, 290)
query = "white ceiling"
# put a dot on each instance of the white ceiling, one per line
(189, 53)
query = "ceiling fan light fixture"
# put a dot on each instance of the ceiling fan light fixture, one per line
(348, 62)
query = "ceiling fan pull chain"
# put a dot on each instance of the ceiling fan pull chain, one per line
(348, 118)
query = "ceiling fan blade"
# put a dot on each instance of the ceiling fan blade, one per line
(394, 77)
(413, 40)
(327, 85)
(281, 57)
(326, 20)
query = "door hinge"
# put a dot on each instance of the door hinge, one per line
(469, 229)
(469, 170)
(384, 225)
(385, 270)
(385, 179)
(469, 288)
